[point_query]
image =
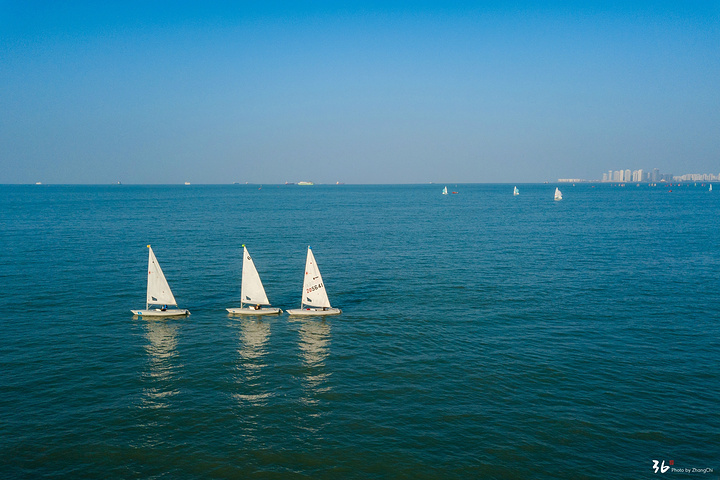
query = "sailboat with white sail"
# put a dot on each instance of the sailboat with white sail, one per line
(252, 291)
(516, 191)
(558, 194)
(314, 297)
(444, 192)
(158, 293)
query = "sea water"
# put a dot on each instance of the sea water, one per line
(483, 335)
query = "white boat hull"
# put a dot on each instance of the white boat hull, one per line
(252, 311)
(314, 311)
(158, 312)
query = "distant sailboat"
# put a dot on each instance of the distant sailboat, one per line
(158, 293)
(516, 191)
(252, 291)
(558, 194)
(314, 297)
(444, 192)
(710, 189)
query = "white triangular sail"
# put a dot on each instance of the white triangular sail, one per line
(158, 290)
(558, 194)
(444, 192)
(314, 293)
(516, 191)
(252, 290)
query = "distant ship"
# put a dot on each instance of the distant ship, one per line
(306, 183)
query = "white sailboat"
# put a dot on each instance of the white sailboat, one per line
(314, 297)
(445, 191)
(252, 291)
(710, 189)
(558, 194)
(158, 293)
(516, 191)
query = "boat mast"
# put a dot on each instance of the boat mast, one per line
(302, 295)
(244, 253)
(147, 304)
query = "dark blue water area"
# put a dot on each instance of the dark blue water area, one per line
(483, 335)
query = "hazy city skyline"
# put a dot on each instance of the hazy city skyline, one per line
(378, 93)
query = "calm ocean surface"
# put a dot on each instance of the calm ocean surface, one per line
(482, 335)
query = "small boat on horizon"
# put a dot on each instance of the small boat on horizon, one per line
(306, 183)
(158, 293)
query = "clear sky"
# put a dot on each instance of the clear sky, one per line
(363, 92)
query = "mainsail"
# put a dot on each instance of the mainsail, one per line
(314, 293)
(158, 290)
(252, 290)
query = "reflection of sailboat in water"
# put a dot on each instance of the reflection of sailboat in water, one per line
(314, 347)
(253, 337)
(162, 350)
(253, 348)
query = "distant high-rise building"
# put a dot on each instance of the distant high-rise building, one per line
(640, 175)
(610, 177)
(655, 177)
(628, 175)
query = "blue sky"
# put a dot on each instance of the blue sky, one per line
(363, 92)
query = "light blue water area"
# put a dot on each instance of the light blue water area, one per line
(482, 335)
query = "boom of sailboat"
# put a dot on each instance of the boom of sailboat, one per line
(253, 299)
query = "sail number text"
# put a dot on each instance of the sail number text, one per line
(313, 288)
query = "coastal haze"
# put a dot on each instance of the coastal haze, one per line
(166, 92)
